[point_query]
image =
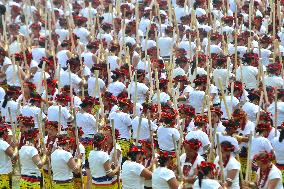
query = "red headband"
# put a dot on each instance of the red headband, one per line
(194, 144)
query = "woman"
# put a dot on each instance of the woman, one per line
(206, 174)
(10, 102)
(231, 166)
(268, 175)
(133, 172)
(102, 170)
(30, 161)
(33, 108)
(163, 177)
(63, 164)
(278, 145)
(116, 87)
(190, 160)
(87, 122)
(166, 131)
(7, 155)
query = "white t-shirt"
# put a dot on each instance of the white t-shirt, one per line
(201, 136)
(274, 81)
(83, 34)
(113, 62)
(280, 112)
(87, 122)
(62, 58)
(207, 184)
(196, 100)
(231, 103)
(28, 167)
(14, 107)
(249, 128)
(164, 98)
(92, 83)
(53, 115)
(130, 175)
(274, 173)
(122, 122)
(278, 149)
(249, 74)
(160, 178)
(37, 80)
(116, 88)
(5, 161)
(165, 44)
(96, 162)
(165, 139)
(259, 144)
(33, 111)
(144, 129)
(88, 59)
(141, 92)
(64, 79)
(251, 110)
(193, 167)
(60, 168)
(223, 75)
(233, 164)
(12, 75)
(38, 53)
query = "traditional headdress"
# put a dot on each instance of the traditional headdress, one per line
(137, 149)
(26, 120)
(200, 79)
(51, 124)
(193, 143)
(264, 157)
(217, 110)
(187, 109)
(201, 120)
(63, 140)
(227, 146)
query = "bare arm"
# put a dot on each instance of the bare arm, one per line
(273, 183)
(146, 174)
(110, 172)
(39, 162)
(231, 175)
(73, 165)
(173, 183)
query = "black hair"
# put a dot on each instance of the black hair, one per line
(163, 160)
(6, 99)
(132, 155)
(281, 137)
(2, 10)
(115, 77)
(98, 138)
(203, 171)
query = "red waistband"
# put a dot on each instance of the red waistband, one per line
(30, 179)
(280, 166)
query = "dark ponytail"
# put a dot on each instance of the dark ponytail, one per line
(163, 160)
(203, 171)
(281, 137)
(6, 98)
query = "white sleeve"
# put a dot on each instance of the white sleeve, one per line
(76, 79)
(4, 146)
(104, 158)
(127, 120)
(67, 157)
(168, 175)
(65, 112)
(138, 169)
(33, 152)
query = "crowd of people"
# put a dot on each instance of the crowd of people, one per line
(103, 94)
